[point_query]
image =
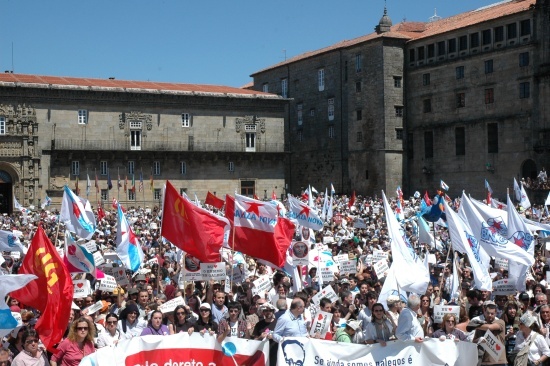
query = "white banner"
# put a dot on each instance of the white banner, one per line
(213, 271)
(308, 351)
(441, 310)
(321, 324)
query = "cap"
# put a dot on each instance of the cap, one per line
(267, 306)
(205, 305)
(117, 290)
(489, 302)
(139, 277)
(392, 299)
(344, 281)
(354, 324)
(133, 291)
(524, 296)
(527, 319)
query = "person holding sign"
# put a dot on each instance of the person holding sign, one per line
(380, 329)
(497, 327)
(449, 330)
(530, 340)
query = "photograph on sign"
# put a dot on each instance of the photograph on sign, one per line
(300, 253)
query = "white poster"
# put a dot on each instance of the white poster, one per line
(119, 274)
(327, 292)
(98, 259)
(381, 268)
(213, 271)
(326, 274)
(504, 287)
(492, 345)
(501, 263)
(261, 286)
(378, 255)
(441, 310)
(191, 269)
(81, 289)
(340, 257)
(90, 246)
(107, 284)
(169, 306)
(321, 324)
(348, 267)
(300, 253)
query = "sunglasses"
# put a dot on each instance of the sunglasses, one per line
(82, 328)
(450, 321)
(31, 341)
(133, 312)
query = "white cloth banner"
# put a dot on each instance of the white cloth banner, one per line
(307, 351)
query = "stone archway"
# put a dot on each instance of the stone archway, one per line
(8, 181)
(529, 169)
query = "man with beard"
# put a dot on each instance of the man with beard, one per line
(264, 329)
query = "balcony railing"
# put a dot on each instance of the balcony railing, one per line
(109, 145)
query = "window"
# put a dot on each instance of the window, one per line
(331, 109)
(524, 59)
(431, 50)
(359, 136)
(428, 144)
(427, 105)
(331, 133)
(511, 31)
(75, 167)
(82, 116)
(321, 79)
(131, 167)
(460, 141)
(135, 140)
(250, 141)
(250, 127)
(399, 134)
(525, 27)
(185, 122)
(397, 81)
(499, 34)
(135, 124)
(103, 167)
(451, 45)
(104, 194)
(426, 79)
(284, 88)
(2, 125)
(359, 114)
(265, 87)
(474, 40)
(459, 72)
(248, 188)
(420, 53)
(524, 90)
(357, 86)
(399, 111)
(463, 43)
(492, 138)
(299, 112)
(183, 168)
(156, 167)
(300, 135)
(156, 194)
(489, 66)
(461, 100)
(412, 55)
(441, 48)
(312, 112)
(231, 166)
(358, 62)
(486, 37)
(489, 96)
(131, 195)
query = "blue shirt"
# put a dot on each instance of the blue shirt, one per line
(289, 325)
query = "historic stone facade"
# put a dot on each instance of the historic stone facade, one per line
(200, 138)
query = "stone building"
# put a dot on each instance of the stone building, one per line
(57, 131)
(459, 99)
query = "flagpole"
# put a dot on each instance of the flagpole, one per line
(118, 184)
(96, 185)
(142, 187)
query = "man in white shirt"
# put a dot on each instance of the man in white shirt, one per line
(408, 327)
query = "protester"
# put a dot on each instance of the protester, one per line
(184, 319)
(497, 327)
(291, 323)
(111, 335)
(206, 322)
(129, 324)
(381, 329)
(449, 331)
(233, 327)
(346, 334)
(155, 326)
(32, 354)
(78, 344)
(531, 341)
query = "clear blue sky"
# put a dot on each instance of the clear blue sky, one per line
(188, 41)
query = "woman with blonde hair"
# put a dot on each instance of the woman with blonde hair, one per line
(449, 330)
(79, 343)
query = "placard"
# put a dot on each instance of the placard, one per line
(15, 255)
(328, 239)
(327, 292)
(237, 276)
(90, 246)
(61, 252)
(326, 274)
(119, 274)
(378, 255)
(108, 284)
(169, 306)
(432, 259)
(441, 310)
(81, 289)
(492, 345)
(152, 261)
(381, 268)
(213, 271)
(93, 308)
(261, 286)
(504, 287)
(321, 324)
(340, 257)
(300, 253)
(98, 259)
(227, 285)
(501, 263)
(192, 269)
(348, 267)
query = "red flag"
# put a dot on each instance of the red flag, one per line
(212, 200)
(489, 198)
(100, 213)
(258, 230)
(351, 200)
(51, 293)
(255, 197)
(193, 229)
(125, 184)
(427, 199)
(273, 195)
(115, 205)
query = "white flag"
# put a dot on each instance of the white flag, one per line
(519, 234)
(9, 242)
(521, 195)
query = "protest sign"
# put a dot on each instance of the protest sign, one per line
(90, 246)
(327, 292)
(326, 274)
(81, 289)
(492, 345)
(340, 257)
(261, 286)
(501, 263)
(237, 276)
(378, 255)
(227, 285)
(98, 259)
(119, 274)
(107, 283)
(441, 310)
(321, 324)
(213, 271)
(191, 269)
(300, 253)
(328, 239)
(432, 259)
(169, 306)
(504, 287)
(348, 267)
(381, 268)
(93, 308)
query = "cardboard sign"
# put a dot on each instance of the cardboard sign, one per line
(169, 306)
(441, 310)
(119, 274)
(237, 275)
(321, 324)
(213, 271)
(378, 255)
(107, 284)
(326, 274)
(504, 287)
(340, 257)
(94, 307)
(110, 256)
(381, 268)
(501, 263)
(328, 239)
(348, 267)
(98, 258)
(90, 246)
(327, 292)
(492, 345)
(300, 253)
(261, 286)
(81, 289)
(432, 259)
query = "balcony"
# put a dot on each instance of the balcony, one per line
(109, 145)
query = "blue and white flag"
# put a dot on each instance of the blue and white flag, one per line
(521, 195)
(332, 190)
(488, 186)
(324, 210)
(46, 202)
(128, 246)
(77, 214)
(77, 258)
(444, 186)
(302, 214)
(9, 242)
(10, 283)
(520, 235)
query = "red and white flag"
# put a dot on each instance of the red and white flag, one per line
(258, 229)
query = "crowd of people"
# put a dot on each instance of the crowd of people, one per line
(521, 321)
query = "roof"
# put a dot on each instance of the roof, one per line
(418, 30)
(74, 83)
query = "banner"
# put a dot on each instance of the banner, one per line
(307, 351)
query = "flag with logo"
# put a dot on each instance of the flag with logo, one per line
(46, 202)
(303, 214)
(258, 231)
(9, 242)
(444, 186)
(10, 282)
(128, 246)
(51, 293)
(77, 214)
(521, 195)
(519, 234)
(214, 201)
(196, 231)
(78, 259)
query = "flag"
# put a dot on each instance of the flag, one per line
(464, 241)
(212, 200)
(455, 287)
(310, 198)
(10, 282)
(152, 184)
(115, 205)
(520, 235)
(197, 202)
(444, 186)
(488, 186)
(424, 235)
(412, 275)
(273, 195)
(46, 202)
(521, 195)
(258, 231)
(330, 208)
(109, 182)
(96, 184)
(304, 215)
(141, 181)
(128, 246)
(255, 197)
(399, 193)
(9, 242)
(125, 184)
(497, 204)
(332, 190)
(77, 259)
(100, 212)
(133, 188)
(51, 293)
(399, 211)
(88, 185)
(313, 190)
(427, 199)
(196, 231)
(351, 200)
(324, 210)
(18, 206)
(77, 214)
(119, 185)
